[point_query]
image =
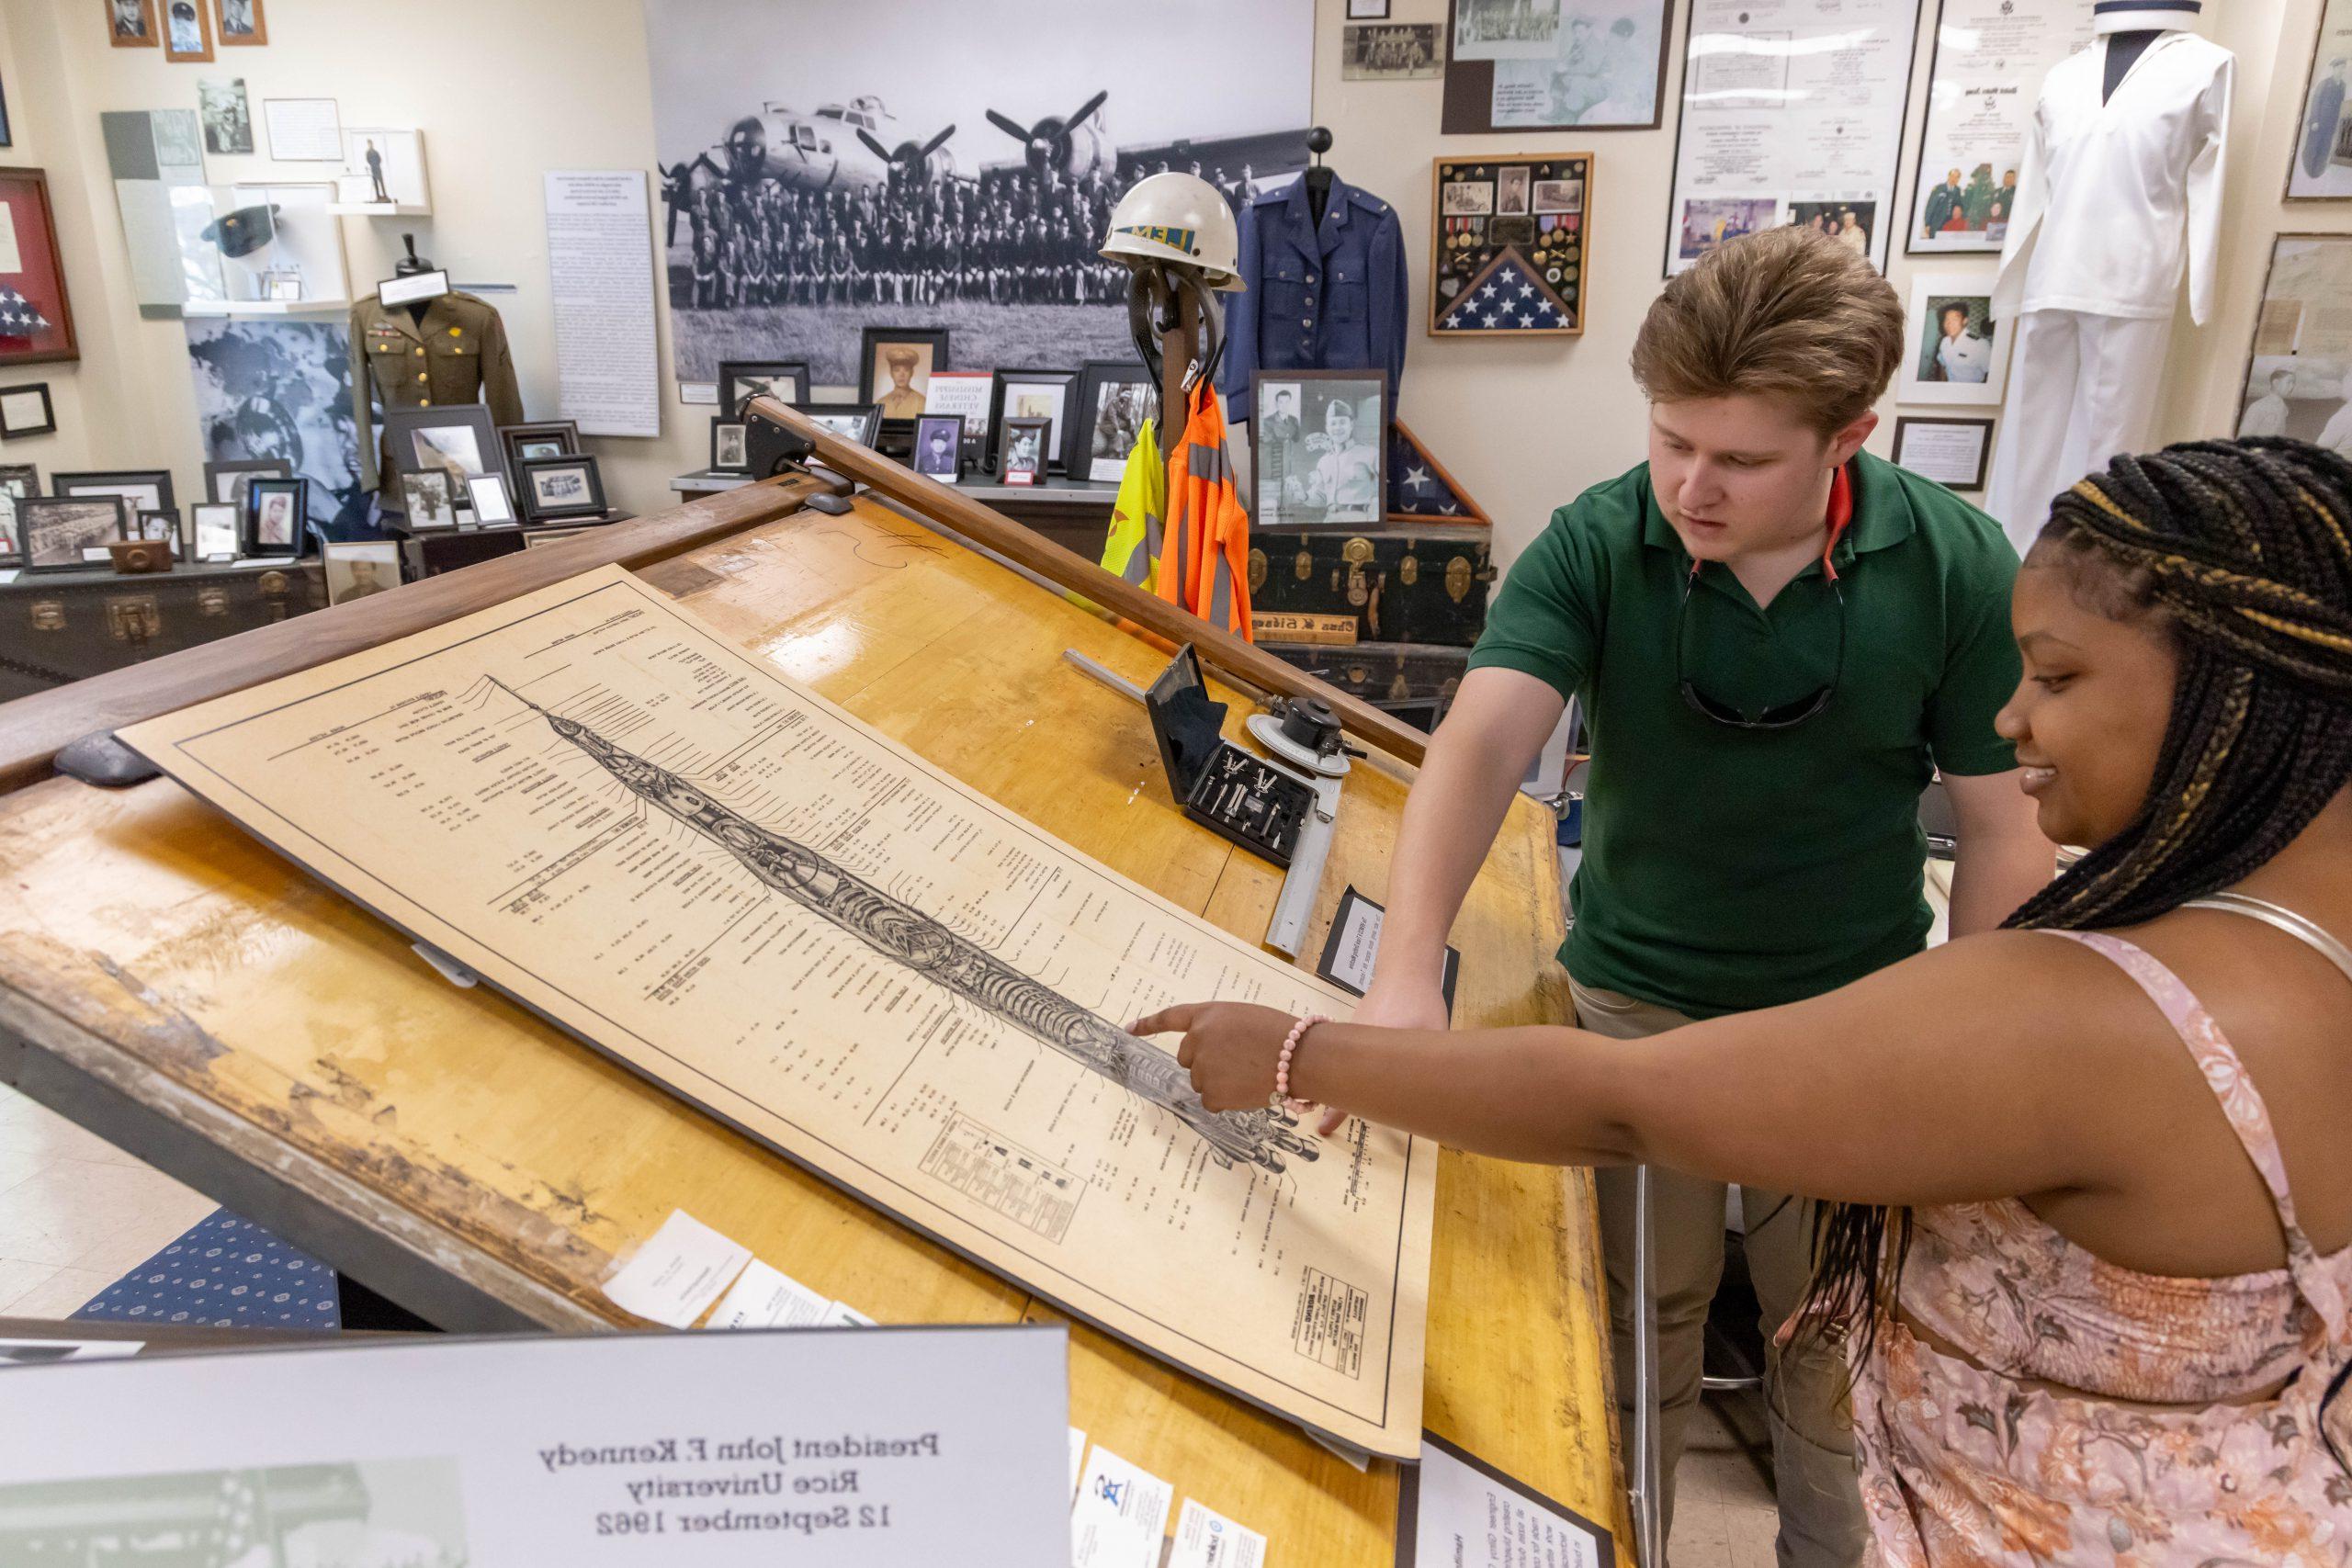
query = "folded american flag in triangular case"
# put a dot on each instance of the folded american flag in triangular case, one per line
(19, 317)
(1510, 296)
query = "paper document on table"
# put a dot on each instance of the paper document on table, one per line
(679, 1272)
(1457, 1511)
(769, 1298)
(1120, 1515)
(740, 891)
(1206, 1539)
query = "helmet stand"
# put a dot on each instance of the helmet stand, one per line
(1172, 304)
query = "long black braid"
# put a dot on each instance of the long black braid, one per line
(2243, 548)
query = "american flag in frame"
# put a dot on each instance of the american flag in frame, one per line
(1511, 231)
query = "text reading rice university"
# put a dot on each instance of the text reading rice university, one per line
(805, 1469)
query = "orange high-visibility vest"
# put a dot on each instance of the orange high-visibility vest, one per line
(1204, 564)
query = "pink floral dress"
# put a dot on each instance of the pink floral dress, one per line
(1973, 1465)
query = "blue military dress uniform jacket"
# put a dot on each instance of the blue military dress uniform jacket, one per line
(1331, 297)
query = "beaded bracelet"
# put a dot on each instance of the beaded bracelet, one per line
(1281, 1097)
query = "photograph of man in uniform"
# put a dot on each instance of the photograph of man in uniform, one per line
(240, 20)
(1942, 207)
(228, 119)
(188, 29)
(354, 577)
(907, 368)
(1959, 353)
(428, 499)
(134, 21)
(1122, 407)
(1319, 452)
(1024, 451)
(937, 439)
(277, 524)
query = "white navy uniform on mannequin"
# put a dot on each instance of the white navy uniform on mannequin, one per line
(2119, 193)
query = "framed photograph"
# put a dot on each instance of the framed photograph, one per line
(1989, 55)
(18, 481)
(459, 440)
(132, 24)
(428, 500)
(861, 422)
(1958, 353)
(1575, 65)
(228, 118)
(1114, 400)
(540, 438)
(55, 531)
(2299, 370)
(1390, 51)
(729, 446)
(214, 523)
(1367, 10)
(360, 569)
(557, 487)
(895, 366)
(187, 32)
(160, 526)
(741, 380)
(1031, 394)
(12, 544)
(229, 481)
(243, 24)
(36, 318)
(1320, 441)
(147, 490)
(1851, 223)
(1508, 249)
(1956, 453)
(2321, 169)
(27, 411)
(275, 512)
(939, 447)
(1028, 441)
(493, 505)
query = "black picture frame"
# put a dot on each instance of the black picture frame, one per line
(418, 487)
(1004, 381)
(527, 487)
(1264, 471)
(144, 525)
(33, 508)
(98, 481)
(518, 442)
(924, 428)
(731, 398)
(1016, 427)
(873, 341)
(1467, 106)
(1984, 447)
(8, 137)
(231, 492)
(47, 424)
(834, 415)
(723, 461)
(249, 540)
(403, 426)
(1077, 436)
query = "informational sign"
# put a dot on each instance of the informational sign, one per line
(2321, 166)
(1792, 114)
(1991, 56)
(912, 1447)
(303, 130)
(740, 891)
(600, 271)
(1455, 1510)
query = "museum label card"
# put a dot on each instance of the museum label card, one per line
(902, 1446)
(1457, 1511)
(676, 1276)
(303, 130)
(1951, 452)
(764, 1297)
(1354, 943)
(1119, 1515)
(1206, 1539)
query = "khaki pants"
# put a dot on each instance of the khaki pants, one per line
(1813, 1428)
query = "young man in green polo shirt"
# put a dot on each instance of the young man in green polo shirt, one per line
(1775, 637)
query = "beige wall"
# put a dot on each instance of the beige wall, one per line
(533, 86)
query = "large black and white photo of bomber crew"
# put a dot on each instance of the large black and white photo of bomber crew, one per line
(819, 173)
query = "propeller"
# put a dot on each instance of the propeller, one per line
(678, 188)
(1048, 139)
(911, 160)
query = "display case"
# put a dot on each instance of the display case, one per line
(259, 248)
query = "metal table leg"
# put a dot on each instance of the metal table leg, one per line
(1642, 1483)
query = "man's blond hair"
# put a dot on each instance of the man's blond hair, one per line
(1787, 314)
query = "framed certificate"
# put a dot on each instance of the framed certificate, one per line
(1952, 451)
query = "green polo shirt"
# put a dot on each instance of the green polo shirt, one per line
(1727, 869)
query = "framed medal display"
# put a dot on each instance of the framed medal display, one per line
(1508, 257)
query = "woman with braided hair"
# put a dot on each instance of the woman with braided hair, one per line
(2096, 1285)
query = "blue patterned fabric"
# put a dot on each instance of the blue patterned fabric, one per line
(1418, 488)
(225, 1273)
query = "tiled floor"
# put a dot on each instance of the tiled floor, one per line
(75, 1211)
(1724, 1515)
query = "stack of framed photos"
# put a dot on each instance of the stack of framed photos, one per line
(453, 468)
